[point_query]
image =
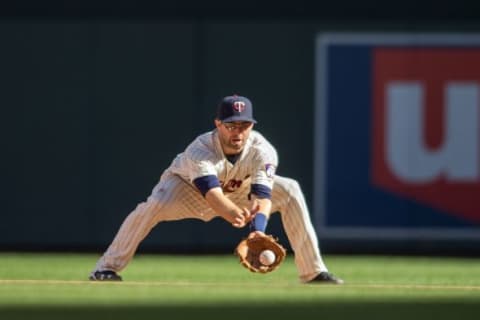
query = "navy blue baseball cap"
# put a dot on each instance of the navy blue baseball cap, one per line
(235, 108)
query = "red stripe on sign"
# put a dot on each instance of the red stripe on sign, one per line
(426, 126)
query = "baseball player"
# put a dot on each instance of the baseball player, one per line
(229, 173)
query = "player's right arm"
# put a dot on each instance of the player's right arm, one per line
(228, 210)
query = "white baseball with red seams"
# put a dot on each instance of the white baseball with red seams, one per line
(267, 257)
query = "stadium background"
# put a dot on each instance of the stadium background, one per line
(98, 97)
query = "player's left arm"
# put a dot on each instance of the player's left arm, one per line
(265, 164)
(263, 205)
(260, 197)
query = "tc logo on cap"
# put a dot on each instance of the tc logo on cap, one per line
(238, 106)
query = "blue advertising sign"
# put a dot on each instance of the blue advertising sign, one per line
(397, 136)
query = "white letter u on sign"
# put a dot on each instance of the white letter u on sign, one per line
(457, 159)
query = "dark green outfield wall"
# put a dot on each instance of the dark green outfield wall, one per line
(93, 113)
(93, 110)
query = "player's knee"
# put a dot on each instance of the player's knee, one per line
(146, 210)
(292, 187)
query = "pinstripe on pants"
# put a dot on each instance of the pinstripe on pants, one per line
(174, 199)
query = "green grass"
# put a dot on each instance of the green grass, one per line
(54, 286)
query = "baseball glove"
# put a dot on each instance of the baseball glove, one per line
(249, 249)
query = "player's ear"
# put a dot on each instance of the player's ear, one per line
(218, 123)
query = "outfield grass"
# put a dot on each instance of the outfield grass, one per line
(54, 286)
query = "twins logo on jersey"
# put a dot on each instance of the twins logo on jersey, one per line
(232, 185)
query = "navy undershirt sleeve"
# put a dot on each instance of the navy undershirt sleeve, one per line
(206, 183)
(261, 191)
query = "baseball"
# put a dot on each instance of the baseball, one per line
(267, 257)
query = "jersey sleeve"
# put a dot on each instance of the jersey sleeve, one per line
(200, 168)
(199, 161)
(265, 165)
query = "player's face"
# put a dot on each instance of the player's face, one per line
(233, 135)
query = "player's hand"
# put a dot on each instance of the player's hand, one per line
(240, 220)
(252, 212)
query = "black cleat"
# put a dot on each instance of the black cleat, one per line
(326, 278)
(106, 275)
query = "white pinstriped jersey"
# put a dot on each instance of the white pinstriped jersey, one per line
(172, 199)
(204, 156)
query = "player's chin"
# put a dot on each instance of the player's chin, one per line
(237, 145)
